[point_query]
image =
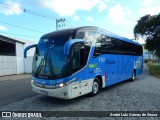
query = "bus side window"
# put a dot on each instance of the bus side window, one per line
(97, 49)
(81, 35)
(80, 56)
(98, 45)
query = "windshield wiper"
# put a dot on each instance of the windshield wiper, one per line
(47, 59)
(41, 64)
(40, 67)
(51, 65)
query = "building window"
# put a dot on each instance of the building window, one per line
(7, 48)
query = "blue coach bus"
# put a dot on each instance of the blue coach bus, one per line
(72, 62)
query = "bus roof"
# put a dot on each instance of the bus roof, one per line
(90, 28)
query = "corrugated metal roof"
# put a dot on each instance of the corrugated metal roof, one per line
(8, 39)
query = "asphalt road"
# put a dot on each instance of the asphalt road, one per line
(15, 90)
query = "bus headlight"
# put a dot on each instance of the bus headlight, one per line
(61, 85)
(65, 84)
(32, 81)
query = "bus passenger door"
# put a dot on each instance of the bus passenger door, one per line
(81, 85)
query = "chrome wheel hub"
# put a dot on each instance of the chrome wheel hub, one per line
(95, 87)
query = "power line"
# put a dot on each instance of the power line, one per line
(21, 27)
(69, 23)
(27, 11)
(4, 5)
(18, 34)
(35, 13)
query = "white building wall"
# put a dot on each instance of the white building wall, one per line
(17, 64)
(8, 65)
(29, 59)
(30, 52)
(28, 64)
(20, 57)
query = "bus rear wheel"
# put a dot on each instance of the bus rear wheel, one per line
(133, 75)
(95, 87)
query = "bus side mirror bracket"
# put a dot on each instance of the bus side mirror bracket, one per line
(27, 48)
(68, 45)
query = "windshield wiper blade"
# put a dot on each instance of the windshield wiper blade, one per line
(47, 59)
(41, 64)
(39, 67)
(51, 65)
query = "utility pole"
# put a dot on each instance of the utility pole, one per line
(60, 23)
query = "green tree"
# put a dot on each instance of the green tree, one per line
(148, 27)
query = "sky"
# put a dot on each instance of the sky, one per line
(30, 19)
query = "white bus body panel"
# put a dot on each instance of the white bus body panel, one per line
(70, 91)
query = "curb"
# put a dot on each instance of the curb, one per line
(14, 77)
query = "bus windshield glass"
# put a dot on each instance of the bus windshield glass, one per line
(49, 59)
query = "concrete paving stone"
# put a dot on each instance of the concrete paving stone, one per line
(141, 95)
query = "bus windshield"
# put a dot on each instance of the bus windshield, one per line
(49, 59)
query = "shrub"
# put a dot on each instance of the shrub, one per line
(146, 61)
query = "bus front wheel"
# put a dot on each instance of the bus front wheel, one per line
(95, 87)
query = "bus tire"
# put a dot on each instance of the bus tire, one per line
(133, 75)
(95, 87)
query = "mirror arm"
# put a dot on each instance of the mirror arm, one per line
(27, 48)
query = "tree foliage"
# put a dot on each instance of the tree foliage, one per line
(148, 27)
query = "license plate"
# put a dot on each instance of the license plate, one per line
(44, 92)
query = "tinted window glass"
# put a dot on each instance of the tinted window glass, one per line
(108, 45)
(129, 48)
(89, 36)
(115, 46)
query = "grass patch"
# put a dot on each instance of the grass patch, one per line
(154, 70)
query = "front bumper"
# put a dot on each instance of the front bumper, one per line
(63, 92)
